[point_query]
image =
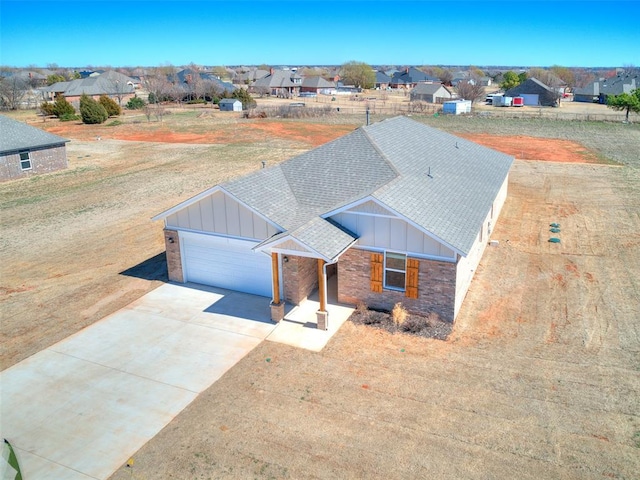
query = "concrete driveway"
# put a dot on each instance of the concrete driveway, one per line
(82, 407)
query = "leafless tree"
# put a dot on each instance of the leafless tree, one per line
(12, 91)
(470, 90)
(157, 85)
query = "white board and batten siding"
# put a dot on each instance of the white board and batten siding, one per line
(217, 236)
(223, 215)
(380, 229)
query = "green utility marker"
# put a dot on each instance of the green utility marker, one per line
(554, 230)
(554, 240)
(554, 225)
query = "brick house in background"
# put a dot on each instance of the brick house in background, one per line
(26, 150)
(393, 212)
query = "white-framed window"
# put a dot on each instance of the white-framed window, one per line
(25, 161)
(395, 271)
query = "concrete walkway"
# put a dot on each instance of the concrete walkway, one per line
(80, 408)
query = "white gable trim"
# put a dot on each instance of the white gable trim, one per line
(395, 214)
(209, 192)
(306, 252)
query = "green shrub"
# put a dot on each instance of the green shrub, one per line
(69, 117)
(136, 103)
(92, 112)
(246, 99)
(196, 101)
(112, 108)
(62, 107)
(47, 108)
(115, 123)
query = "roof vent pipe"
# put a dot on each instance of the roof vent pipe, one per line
(367, 116)
(264, 164)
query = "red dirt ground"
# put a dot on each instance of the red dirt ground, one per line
(249, 132)
(534, 148)
(519, 146)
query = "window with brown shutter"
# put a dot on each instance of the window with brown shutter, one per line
(376, 272)
(412, 278)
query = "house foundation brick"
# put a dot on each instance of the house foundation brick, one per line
(323, 320)
(174, 260)
(436, 286)
(277, 311)
(300, 278)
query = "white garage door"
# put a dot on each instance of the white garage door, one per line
(530, 98)
(226, 263)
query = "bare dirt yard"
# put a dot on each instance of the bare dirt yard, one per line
(540, 377)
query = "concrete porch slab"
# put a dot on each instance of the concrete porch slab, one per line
(299, 327)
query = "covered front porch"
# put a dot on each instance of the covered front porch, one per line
(303, 261)
(299, 325)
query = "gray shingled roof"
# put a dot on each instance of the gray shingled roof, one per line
(108, 83)
(277, 79)
(428, 88)
(442, 183)
(389, 161)
(17, 136)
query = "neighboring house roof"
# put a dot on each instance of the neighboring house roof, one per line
(619, 84)
(252, 75)
(229, 101)
(17, 136)
(185, 77)
(108, 83)
(277, 79)
(440, 183)
(428, 88)
(382, 77)
(411, 75)
(317, 82)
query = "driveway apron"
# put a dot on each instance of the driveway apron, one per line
(80, 408)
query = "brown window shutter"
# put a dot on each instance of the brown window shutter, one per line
(376, 272)
(412, 278)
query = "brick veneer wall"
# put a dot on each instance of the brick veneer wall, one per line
(43, 160)
(300, 278)
(174, 260)
(436, 286)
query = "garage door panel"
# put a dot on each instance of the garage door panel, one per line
(226, 263)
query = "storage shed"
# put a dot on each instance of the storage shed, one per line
(230, 105)
(456, 107)
(533, 88)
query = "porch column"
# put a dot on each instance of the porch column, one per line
(322, 314)
(277, 307)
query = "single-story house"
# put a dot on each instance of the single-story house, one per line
(317, 84)
(431, 92)
(281, 83)
(598, 91)
(410, 77)
(535, 93)
(27, 150)
(395, 211)
(110, 83)
(382, 80)
(230, 105)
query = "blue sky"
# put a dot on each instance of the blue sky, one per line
(243, 32)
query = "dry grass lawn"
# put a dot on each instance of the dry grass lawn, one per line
(539, 379)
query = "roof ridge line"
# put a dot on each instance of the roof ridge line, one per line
(380, 152)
